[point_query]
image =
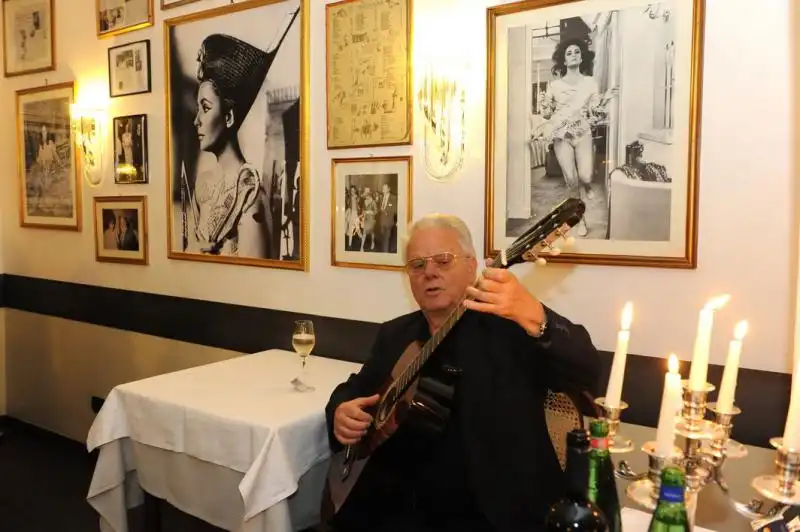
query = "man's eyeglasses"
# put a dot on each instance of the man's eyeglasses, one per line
(442, 261)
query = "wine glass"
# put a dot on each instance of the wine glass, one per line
(303, 340)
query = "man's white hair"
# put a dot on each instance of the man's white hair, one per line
(442, 221)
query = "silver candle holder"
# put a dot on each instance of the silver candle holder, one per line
(707, 447)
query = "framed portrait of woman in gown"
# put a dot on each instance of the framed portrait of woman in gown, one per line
(130, 150)
(599, 101)
(237, 128)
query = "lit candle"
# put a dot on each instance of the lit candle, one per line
(791, 436)
(614, 390)
(729, 377)
(702, 343)
(670, 401)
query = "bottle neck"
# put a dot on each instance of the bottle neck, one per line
(600, 444)
(577, 473)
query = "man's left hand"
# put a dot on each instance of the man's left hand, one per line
(500, 292)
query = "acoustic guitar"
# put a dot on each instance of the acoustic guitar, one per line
(423, 403)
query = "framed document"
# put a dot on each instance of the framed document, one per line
(129, 69)
(368, 49)
(28, 43)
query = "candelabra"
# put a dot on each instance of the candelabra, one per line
(707, 447)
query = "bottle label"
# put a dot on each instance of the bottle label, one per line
(600, 443)
(671, 493)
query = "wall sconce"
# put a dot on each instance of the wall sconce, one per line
(87, 126)
(442, 100)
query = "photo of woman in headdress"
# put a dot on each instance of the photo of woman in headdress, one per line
(229, 197)
(230, 96)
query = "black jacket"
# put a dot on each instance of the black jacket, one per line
(513, 469)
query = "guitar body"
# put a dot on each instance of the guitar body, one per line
(422, 403)
(423, 407)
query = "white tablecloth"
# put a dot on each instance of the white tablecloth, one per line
(186, 436)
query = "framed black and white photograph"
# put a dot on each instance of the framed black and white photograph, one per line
(130, 149)
(115, 17)
(29, 44)
(371, 209)
(602, 105)
(237, 134)
(129, 69)
(120, 229)
(50, 192)
(169, 4)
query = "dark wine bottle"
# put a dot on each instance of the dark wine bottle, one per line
(602, 485)
(670, 513)
(575, 512)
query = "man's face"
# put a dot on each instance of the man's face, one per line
(440, 282)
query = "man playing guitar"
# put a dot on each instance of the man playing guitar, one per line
(492, 466)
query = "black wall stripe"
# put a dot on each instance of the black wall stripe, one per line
(762, 395)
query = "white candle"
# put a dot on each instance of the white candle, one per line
(702, 343)
(727, 388)
(670, 401)
(614, 390)
(791, 435)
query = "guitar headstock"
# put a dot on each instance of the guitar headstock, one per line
(540, 238)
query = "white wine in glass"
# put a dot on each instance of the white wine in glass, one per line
(303, 341)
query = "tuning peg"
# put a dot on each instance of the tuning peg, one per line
(569, 241)
(554, 251)
(541, 261)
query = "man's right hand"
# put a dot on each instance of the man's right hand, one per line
(350, 422)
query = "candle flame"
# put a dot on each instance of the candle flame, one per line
(716, 303)
(627, 316)
(741, 330)
(673, 363)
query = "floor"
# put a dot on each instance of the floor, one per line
(44, 479)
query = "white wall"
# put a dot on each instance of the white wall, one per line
(746, 208)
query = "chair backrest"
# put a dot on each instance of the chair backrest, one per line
(562, 416)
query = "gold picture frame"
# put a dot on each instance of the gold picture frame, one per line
(175, 3)
(47, 168)
(373, 107)
(106, 17)
(274, 232)
(120, 229)
(26, 30)
(629, 147)
(370, 237)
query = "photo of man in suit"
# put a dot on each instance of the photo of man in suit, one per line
(387, 220)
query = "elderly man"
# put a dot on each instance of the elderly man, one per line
(493, 468)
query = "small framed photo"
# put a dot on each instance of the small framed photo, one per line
(120, 229)
(115, 17)
(169, 4)
(371, 210)
(28, 38)
(129, 69)
(130, 149)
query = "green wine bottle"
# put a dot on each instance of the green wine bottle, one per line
(670, 514)
(575, 512)
(602, 485)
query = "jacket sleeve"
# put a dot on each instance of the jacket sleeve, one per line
(362, 384)
(570, 360)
